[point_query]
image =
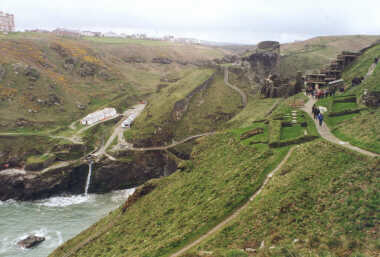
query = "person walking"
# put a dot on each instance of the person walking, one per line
(320, 118)
(317, 112)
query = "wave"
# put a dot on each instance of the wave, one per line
(121, 195)
(64, 201)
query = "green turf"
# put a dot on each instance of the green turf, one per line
(321, 203)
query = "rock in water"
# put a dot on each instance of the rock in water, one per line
(31, 241)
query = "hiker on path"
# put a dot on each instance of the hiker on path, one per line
(320, 118)
(316, 111)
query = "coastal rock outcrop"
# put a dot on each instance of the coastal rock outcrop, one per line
(132, 169)
(30, 241)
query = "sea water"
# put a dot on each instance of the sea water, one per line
(57, 219)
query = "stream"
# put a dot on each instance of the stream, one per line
(57, 219)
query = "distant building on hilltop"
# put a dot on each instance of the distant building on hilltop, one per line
(67, 33)
(7, 22)
(91, 34)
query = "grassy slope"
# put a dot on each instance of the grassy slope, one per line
(325, 197)
(221, 177)
(127, 80)
(159, 110)
(362, 130)
(210, 109)
(313, 54)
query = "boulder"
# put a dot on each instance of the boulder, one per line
(87, 69)
(31, 241)
(69, 64)
(32, 73)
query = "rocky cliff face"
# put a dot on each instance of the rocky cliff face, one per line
(264, 69)
(265, 61)
(133, 169)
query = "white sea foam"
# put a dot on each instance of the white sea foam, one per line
(63, 201)
(120, 195)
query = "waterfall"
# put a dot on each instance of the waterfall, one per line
(88, 178)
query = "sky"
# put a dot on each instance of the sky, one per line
(234, 21)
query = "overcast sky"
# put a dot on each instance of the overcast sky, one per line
(239, 21)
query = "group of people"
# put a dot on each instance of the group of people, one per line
(320, 93)
(317, 114)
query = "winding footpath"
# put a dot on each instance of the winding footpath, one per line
(237, 212)
(158, 148)
(244, 99)
(325, 132)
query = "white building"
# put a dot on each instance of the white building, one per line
(90, 34)
(111, 34)
(99, 116)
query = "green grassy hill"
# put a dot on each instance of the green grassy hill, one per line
(323, 202)
(47, 80)
(311, 55)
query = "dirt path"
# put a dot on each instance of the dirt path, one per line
(325, 132)
(244, 99)
(236, 213)
(158, 148)
(370, 70)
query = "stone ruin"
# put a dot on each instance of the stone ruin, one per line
(264, 69)
(7, 22)
(331, 73)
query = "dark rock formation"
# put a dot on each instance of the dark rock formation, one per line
(88, 69)
(265, 61)
(27, 186)
(132, 169)
(69, 64)
(162, 60)
(32, 73)
(31, 241)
